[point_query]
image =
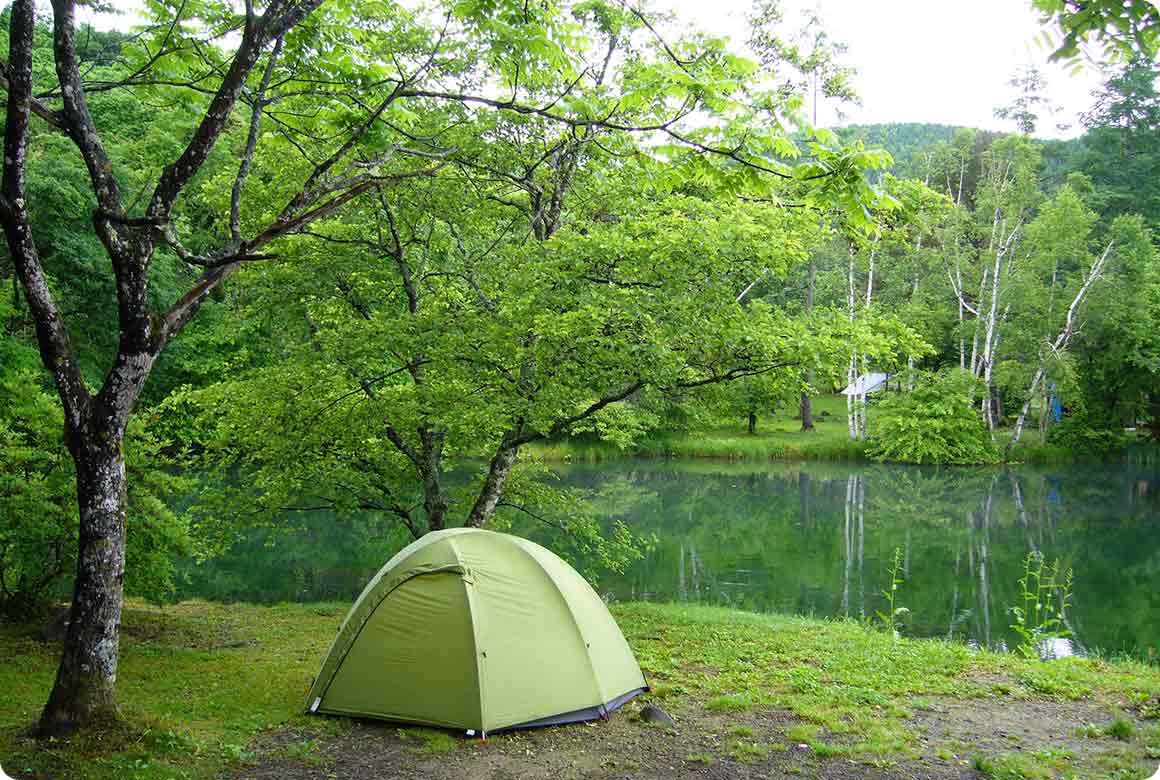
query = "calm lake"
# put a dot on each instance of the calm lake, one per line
(813, 539)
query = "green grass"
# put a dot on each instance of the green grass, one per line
(1039, 765)
(778, 437)
(201, 683)
(1121, 728)
(803, 732)
(732, 702)
(434, 741)
(747, 752)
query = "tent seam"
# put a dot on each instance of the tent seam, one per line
(469, 592)
(391, 563)
(572, 617)
(457, 569)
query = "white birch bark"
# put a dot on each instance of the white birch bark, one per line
(990, 342)
(956, 281)
(864, 427)
(852, 371)
(1061, 340)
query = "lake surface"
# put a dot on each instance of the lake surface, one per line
(813, 539)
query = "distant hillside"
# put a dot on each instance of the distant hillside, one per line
(906, 140)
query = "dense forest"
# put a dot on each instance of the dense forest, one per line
(251, 273)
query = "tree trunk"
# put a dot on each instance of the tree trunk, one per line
(1035, 380)
(863, 420)
(84, 689)
(492, 491)
(752, 422)
(864, 429)
(430, 468)
(1061, 340)
(807, 404)
(962, 341)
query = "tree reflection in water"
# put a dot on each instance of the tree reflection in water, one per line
(807, 538)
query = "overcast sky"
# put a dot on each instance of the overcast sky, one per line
(942, 61)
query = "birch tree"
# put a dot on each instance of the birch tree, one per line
(1060, 342)
(1006, 198)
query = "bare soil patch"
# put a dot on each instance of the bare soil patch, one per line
(1001, 724)
(621, 748)
(707, 745)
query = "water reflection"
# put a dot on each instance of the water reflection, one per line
(814, 539)
(819, 539)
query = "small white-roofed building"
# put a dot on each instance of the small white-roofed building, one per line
(866, 384)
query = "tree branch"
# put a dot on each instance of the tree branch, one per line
(280, 16)
(665, 127)
(562, 424)
(53, 338)
(78, 121)
(251, 144)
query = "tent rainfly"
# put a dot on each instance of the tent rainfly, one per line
(481, 631)
(867, 383)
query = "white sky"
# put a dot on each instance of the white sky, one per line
(942, 61)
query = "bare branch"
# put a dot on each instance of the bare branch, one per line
(251, 139)
(680, 63)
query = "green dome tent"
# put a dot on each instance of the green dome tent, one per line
(477, 630)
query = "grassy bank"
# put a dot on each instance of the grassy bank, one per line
(778, 437)
(723, 443)
(214, 690)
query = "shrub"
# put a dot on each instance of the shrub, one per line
(1079, 436)
(935, 423)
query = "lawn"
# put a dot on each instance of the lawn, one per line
(211, 690)
(778, 436)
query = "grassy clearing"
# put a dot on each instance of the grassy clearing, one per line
(778, 437)
(201, 683)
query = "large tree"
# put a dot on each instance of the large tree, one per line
(458, 337)
(318, 130)
(95, 422)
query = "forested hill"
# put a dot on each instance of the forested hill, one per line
(908, 141)
(904, 141)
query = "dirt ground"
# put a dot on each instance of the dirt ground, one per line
(706, 745)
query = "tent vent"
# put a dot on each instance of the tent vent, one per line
(314, 706)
